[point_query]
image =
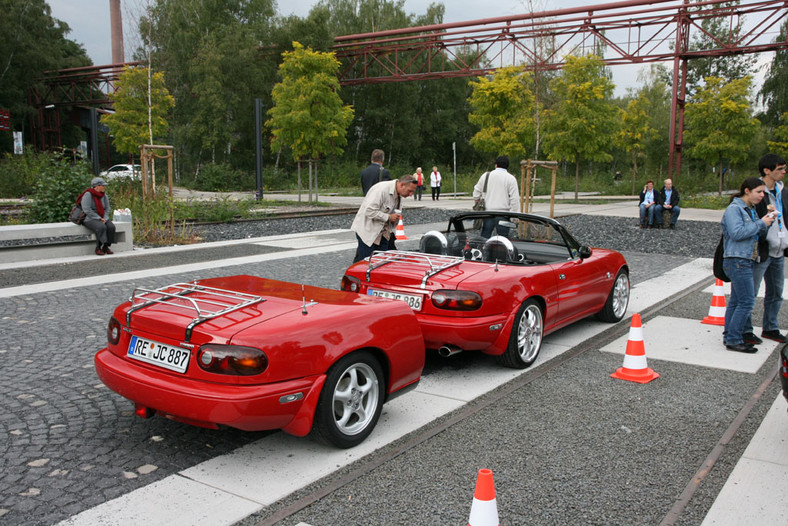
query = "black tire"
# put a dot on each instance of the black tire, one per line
(618, 300)
(525, 340)
(351, 401)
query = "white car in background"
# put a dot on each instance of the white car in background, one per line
(122, 170)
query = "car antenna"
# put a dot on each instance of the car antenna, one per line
(303, 300)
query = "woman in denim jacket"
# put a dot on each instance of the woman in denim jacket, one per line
(740, 230)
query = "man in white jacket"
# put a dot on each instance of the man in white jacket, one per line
(379, 213)
(501, 194)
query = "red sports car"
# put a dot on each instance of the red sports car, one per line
(497, 283)
(257, 354)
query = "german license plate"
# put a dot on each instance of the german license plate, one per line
(167, 356)
(413, 300)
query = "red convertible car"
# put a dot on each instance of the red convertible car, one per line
(497, 283)
(258, 354)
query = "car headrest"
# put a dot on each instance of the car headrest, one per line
(499, 248)
(434, 242)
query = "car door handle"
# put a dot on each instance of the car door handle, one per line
(562, 276)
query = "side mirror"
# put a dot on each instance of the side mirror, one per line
(584, 252)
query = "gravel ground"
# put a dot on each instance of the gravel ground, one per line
(690, 239)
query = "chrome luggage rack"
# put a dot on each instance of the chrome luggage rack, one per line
(176, 295)
(431, 263)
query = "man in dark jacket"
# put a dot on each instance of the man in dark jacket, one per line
(374, 173)
(667, 199)
(771, 249)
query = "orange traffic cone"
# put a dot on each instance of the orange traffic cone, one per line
(400, 233)
(484, 510)
(635, 368)
(717, 310)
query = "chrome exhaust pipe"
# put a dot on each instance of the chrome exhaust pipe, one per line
(449, 350)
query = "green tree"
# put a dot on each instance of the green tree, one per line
(32, 42)
(780, 144)
(308, 114)
(636, 131)
(774, 91)
(217, 59)
(655, 95)
(503, 110)
(129, 125)
(719, 122)
(583, 123)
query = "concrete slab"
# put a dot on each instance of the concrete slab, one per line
(673, 281)
(165, 505)
(272, 468)
(755, 490)
(694, 343)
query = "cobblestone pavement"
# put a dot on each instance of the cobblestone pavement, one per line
(68, 443)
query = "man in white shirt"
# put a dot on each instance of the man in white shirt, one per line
(379, 213)
(501, 194)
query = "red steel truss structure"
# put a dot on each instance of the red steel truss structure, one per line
(86, 87)
(633, 32)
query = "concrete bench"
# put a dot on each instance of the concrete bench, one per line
(56, 241)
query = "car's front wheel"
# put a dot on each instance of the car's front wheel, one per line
(526, 338)
(350, 402)
(618, 299)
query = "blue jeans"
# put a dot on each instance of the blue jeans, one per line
(364, 251)
(772, 272)
(742, 299)
(490, 224)
(674, 214)
(649, 211)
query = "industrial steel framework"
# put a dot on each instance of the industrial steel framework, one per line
(633, 32)
(87, 87)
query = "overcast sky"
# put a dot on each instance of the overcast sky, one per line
(90, 26)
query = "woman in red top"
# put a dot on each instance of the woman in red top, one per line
(420, 182)
(95, 204)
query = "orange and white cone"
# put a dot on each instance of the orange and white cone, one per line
(484, 510)
(717, 310)
(635, 367)
(400, 233)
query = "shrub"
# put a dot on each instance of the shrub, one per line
(59, 184)
(20, 173)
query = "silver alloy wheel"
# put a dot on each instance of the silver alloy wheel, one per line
(355, 398)
(621, 295)
(529, 333)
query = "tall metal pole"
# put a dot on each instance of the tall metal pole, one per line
(258, 146)
(94, 140)
(454, 153)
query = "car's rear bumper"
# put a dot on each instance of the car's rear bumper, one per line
(246, 407)
(467, 333)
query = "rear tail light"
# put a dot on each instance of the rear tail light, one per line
(456, 300)
(232, 359)
(350, 284)
(113, 331)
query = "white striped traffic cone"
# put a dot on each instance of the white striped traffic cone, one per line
(635, 368)
(717, 310)
(484, 510)
(400, 233)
